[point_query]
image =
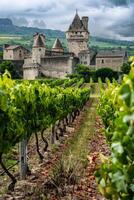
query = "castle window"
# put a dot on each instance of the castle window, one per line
(75, 32)
(102, 61)
(39, 49)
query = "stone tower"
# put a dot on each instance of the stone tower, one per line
(38, 49)
(57, 47)
(78, 35)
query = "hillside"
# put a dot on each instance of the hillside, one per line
(7, 27)
(9, 33)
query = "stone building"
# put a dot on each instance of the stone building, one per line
(14, 52)
(52, 63)
(78, 35)
(84, 57)
(111, 59)
(78, 39)
(58, 63)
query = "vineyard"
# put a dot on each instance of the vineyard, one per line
(82, 134)
(115, 177)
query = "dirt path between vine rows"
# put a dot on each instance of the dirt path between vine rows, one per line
(68, 174)
(83, 154)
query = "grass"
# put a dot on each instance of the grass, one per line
(9, 37)
(78, 147)
(74, 160)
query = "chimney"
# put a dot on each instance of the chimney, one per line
(85, 22)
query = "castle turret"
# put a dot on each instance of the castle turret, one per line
(57, 47)
(38, 50)
(78, 35)
(85, 22)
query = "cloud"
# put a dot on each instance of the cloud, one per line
(121, 2)
(19, 21)
(38, 23)
(107, 18)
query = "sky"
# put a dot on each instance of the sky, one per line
(107, 18)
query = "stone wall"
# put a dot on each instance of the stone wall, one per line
(84, 58)
(37, 54)
(57, 67)
(77, 46)
(30, 71)
(77, 41)
(114, 63)
(8, 54)
(16, 54)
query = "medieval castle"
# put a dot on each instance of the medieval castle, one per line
(58, 63)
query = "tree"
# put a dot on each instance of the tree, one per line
(8, 65)
(126, 68)
(83, 71)
(1, 54)
(104, 73)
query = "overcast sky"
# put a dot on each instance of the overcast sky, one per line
(107, 18)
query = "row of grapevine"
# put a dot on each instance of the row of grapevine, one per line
(31, 107)
(59, 82)
(116, 175)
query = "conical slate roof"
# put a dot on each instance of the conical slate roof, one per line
(76, 24)
(57, 44)
(38, 41)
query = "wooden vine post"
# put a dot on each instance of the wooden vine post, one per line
(23, 158)
(23, 143)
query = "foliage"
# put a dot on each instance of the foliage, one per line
(1, 55)
(8, 65)
(104, 73)
(83, 71)
(115, 177)
(126, 68)
(30, 107)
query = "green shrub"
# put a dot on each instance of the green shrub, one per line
(9, 66)
(104, 73)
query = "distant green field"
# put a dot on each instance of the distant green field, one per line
(7, 39)
(96, 43)
(105, 44)
(26, 41)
